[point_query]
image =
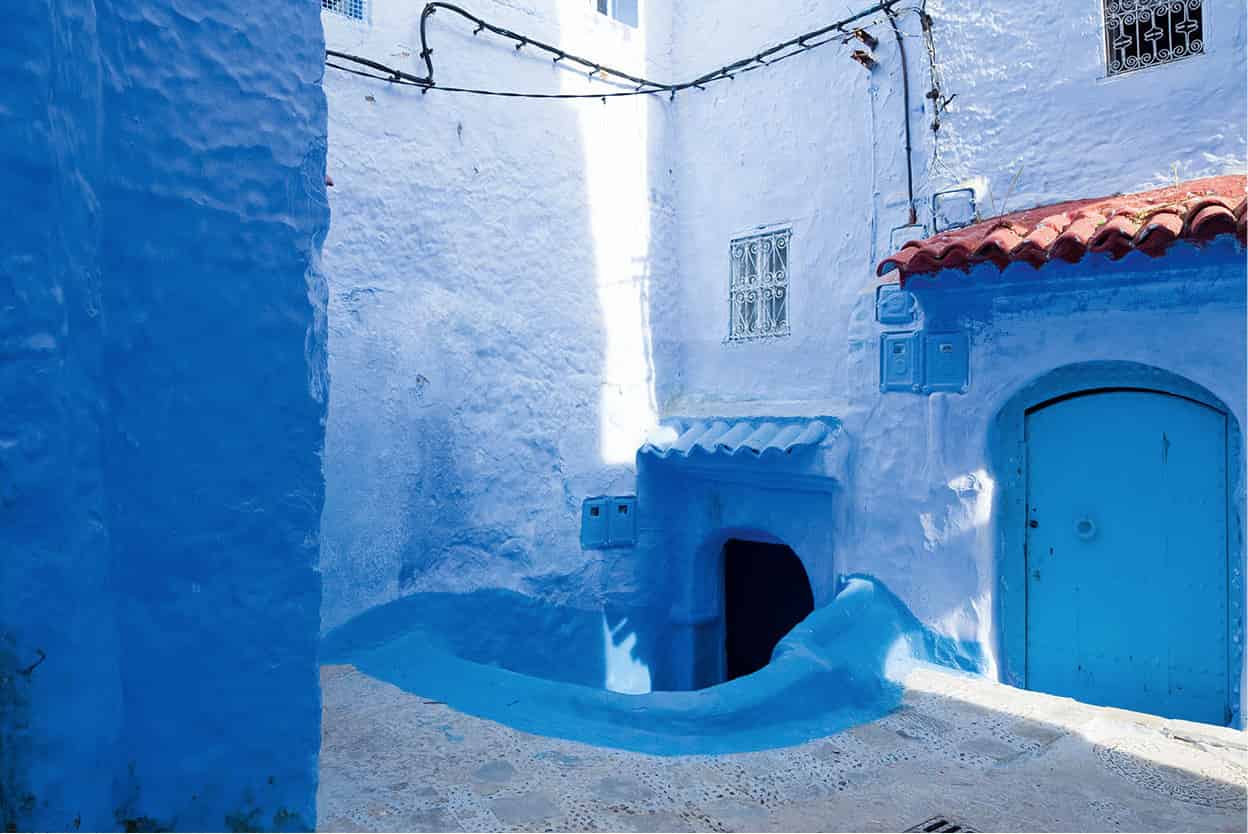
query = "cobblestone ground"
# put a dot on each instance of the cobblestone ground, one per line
(979, 754)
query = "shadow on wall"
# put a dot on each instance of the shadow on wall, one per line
(541, 671)
(506, 630)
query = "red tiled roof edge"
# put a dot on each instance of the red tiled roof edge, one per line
(1150, 221)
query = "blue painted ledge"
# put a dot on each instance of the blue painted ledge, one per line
(839, 667)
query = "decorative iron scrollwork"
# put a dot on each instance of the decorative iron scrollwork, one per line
(758, 286)
(1145, 33)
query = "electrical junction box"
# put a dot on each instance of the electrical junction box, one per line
(953, 209)
(893, 305)
(899, 236)
(622, 522)
(946, 361)
(594, 523)
(608, 522)
(901, 367)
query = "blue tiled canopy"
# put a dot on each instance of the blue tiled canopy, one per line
(740, 438)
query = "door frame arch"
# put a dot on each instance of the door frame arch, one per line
(726, 614)
(1009, 457)
(709, 667)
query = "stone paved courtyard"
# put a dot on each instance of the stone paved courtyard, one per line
(981, 755)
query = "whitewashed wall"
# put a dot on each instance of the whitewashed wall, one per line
(519, 289)
(817, 141)
(490, 263)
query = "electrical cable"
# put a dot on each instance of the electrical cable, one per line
(643, 86)
(940, 102)
(905, 98)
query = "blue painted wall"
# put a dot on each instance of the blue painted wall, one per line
(163, 378)
(1172, 324)
(60, 718)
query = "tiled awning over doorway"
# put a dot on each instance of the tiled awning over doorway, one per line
(739, 438)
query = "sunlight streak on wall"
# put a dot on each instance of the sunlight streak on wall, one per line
(625, 673)
(970, 509)
(615, 139)
(619, 214)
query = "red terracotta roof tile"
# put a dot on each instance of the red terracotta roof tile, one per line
(1199, 210)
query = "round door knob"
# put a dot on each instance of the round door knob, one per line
(1085, 528)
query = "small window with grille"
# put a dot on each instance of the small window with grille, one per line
(354, 9)
(758, 288)
(1145, 33)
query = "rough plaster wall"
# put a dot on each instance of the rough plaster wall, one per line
(163, 368)
(55, 731)
(810, 142)
(826, 155)
(490, 266)
(1036, 109)
(924, 473)
(215, 210)
(817, 141)
(465, 501)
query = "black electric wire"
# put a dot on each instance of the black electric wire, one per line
(425, 87)
(905, 96)
(643, 86)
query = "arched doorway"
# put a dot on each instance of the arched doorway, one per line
(1118, 537)
(766, 593)
(1126, 552)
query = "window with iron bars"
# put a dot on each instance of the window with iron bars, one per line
(354, 9)
(759, 286)
(1145, 33)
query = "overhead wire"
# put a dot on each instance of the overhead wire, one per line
(641, 86)
(838, 31)
(905, 100)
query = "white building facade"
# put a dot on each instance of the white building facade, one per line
(523, 293)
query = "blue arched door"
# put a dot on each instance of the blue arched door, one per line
(1127, 553)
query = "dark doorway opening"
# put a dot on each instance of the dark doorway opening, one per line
(766, 593)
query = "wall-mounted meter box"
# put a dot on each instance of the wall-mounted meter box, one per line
(594, 523)
(608, 522)
(946, 362)
(622, 522)
(901, 361)
(895, 306)
(925, 362)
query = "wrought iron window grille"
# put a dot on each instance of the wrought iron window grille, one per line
(1146, 33)
(758, 290)
(354, 9)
